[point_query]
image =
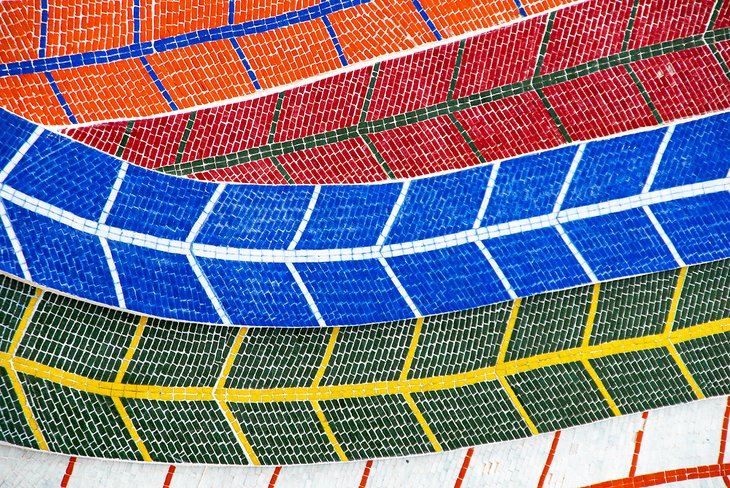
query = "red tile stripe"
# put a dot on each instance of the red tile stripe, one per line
(69, 471)
(274, 477)
(168, 478)
(723, 441)
(464, 468)
(366, 474)
(671, 476)
(549, 460)
(637, 445)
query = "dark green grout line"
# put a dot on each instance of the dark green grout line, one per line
(644, 94)
(544, 43)
(283, 171)
(447, 107)
(630, 26)
(553, 115)
(125, 139)
(715, 13)
(468, 139)
(719, 59)
(185, 137)
(379, 157)
(275, 118)
(457, 68)
(369, 93)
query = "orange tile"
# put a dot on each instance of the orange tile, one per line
(248, 10)
(200, 74)
(89, 25)
(31, 96)
(167, 18)
(292, 53)
(379, 27)
(20, 30)
(455, 17)
(533, 7)
(121, 89)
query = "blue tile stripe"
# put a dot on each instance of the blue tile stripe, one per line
(427, 19)
(231, 12)
(518, 3)
(61, 99)
(158, 83)
(183, 40)
(44, 30)
(136, 21)
(350, 286)
(246, 64)
(335, 41)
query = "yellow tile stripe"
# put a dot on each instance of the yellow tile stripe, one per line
(422, 422)
(675, 301)
(326, 358)
(24, 321)
(412, 349)
(231, 358)
(26, 409)
(508, 331)
(516, 402)
(130, 427)
(239, 432)
(685, 372)
(131, 349)
(586, 343)
(328, 430)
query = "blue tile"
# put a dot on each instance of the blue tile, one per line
(449, 279)
(349, 216)
(697, 151)
(441, 205)
(614, 168)
(257, 217)
(354, 292)
(66, 174)
(528, 186)
(62, 258)
(156, 204)
(536, 261)
(621, 244)
(258, 293)
(8, 259)
(13, 134)
(699, 227)
(161, 284)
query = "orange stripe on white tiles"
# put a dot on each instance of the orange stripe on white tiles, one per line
(549, 460)
(366, 474)
(464, 468)
(168, 478)
(274, 477)
(637, 445)
(723, 441)
(69, 471)
(665, 477)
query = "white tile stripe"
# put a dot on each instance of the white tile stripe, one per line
(487, 196)
(205, 213)
(305, 219)
(15, 243)
(113, 271)
(399, 286)
(20, 153)
(660, 230)
(569, 178)
(578, 256)
(393, 213)
(658, 159)
(497, 269)
(307, 295)
(208, 290)
(355, 254)
(114, 192)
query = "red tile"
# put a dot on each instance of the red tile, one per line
(724, 49)
(261, 172)
(600, 104)
(585, 32)
(104, 137)
(413, 82)
(685, 83)
(423, 148)
(325, 105)
(510, 126)
(723, 18)
(230, 128)
(348, 161)
(500, 57)
(154, 142)
(665, 20)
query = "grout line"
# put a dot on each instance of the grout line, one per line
(208, 289)
(393, 213)
(369, 93)
(399, 286)
(114, 192)
(305, 219)
(569, 178)
(543, 43)
(660, 230)
(574, 250)
(307, 295)
(207, 210)
(113, 272)
(20, 153)
(658, 159)
(487, 195)
(497, 270)
(15, 243)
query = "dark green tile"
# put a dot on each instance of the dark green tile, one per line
(708, 360)
(284, 432)
(14, 298)
(185, 432)
(180, 354)
(471, 415)
(377, 426)
(14, 427)
(705, 295)
(78, 337)
(550, 322)
(77, 422)
(560, 396)
(460, 342)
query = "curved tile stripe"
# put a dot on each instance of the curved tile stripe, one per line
(530, 86)
(184, 392)
(82, 222)
(152, 57)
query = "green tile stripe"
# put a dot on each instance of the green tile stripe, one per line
(544, 43)
(715, 13)
(185, 137)
(190, 394)
(125, 139)
(282, 170)
(630, 26)
(457, 68)
(275, 118)
(448, 107)
(644, 94)
(553, 115)
(467, 138)
(378, 157)
(720, 60)
(369, 93)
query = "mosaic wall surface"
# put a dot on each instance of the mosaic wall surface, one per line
(555, 251)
